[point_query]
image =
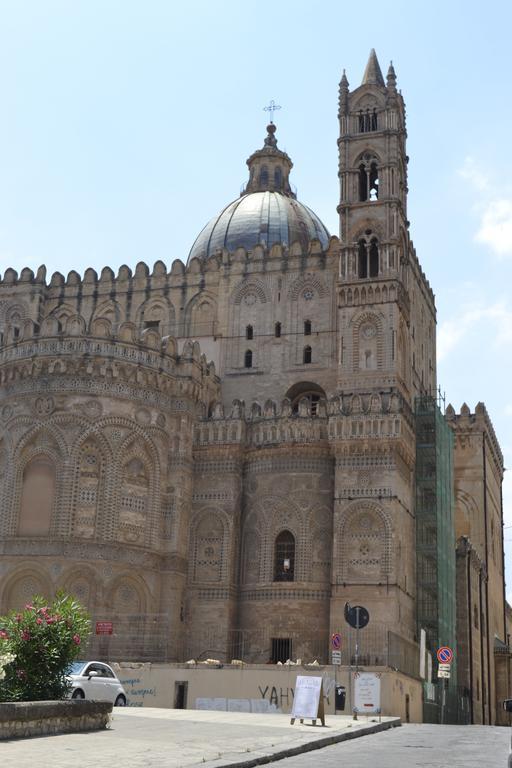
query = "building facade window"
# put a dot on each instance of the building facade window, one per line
(284, 557)
(306, 355)
(249, 332)
(248, 359)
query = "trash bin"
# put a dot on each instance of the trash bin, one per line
(339, 697)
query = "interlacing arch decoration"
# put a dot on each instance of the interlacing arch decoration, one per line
(110, 311)
(91, 461)
(21, 585)
(252, 541)
(157, 313)
(131, 512)
(272, 515)
(367, 342)
(210, 551)
(468, 506)
(81, 582)
(250, 291)
(364, 543)
(201, 315)
(308, 287)
(320, 556)
(127, 595)
(32, 498)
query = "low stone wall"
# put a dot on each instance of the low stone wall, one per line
(19, 720)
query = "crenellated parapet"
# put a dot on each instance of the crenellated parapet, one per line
(140, 360)
(342, 418)
(470, 429)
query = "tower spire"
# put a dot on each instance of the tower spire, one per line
(372, 74)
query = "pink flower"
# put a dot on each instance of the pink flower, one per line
(29, 607)
(3, 634)
(19, 617)
(39, 621)
(25, 635)
(76, 639)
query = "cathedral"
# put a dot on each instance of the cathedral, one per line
(215, 458)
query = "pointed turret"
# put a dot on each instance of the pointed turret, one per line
(372, 74)
(391, 78)
(343, 99)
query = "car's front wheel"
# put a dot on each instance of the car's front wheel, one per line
(120, 701)
(78, 694)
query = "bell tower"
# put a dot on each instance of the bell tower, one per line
(386, 357)
(373, 270)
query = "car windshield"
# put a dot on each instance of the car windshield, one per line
(76, 667)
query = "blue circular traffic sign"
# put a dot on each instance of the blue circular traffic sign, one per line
(444, 655)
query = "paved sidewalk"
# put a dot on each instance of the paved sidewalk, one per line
(176, 738)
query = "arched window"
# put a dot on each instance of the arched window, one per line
(37, 497)
(374, 258)
(264, 177)
(305, 390)
(363, 183)
(307, 327)
(284, 557)
(368, 258)
(373, 122)
(374, 182)
(277, 330)
(362, 259)
(306, 355)
(248, 359)
(278, 178)
(249, 333)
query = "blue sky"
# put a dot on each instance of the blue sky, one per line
(126, 125)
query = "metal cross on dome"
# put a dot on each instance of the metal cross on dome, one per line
(272, 107)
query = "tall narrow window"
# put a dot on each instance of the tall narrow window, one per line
(264, 177)
(373, 122)
(249, 333)
(277, 330)
(363, 183)
(307, 327)
(278, 178)
(306, 355)
(362, 260)
(374, 182)
(374, 258)
(248, 359)
(284, 557)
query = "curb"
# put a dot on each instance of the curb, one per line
(309, 746)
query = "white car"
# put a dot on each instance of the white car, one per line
(95, 680)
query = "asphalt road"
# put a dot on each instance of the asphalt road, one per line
(415, 746)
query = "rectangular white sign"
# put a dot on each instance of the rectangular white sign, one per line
(366, 692)
(306, 697)
(336, 657)
(423, 649)
(442, 673)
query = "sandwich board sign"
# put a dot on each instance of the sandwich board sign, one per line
(308, 700)
(367, 692)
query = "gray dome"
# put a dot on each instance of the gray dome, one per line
(260, 218)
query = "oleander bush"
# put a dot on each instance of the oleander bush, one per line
(37, 647)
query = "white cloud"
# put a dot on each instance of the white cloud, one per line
(495, 215)
(496, 227)
(451, 332)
